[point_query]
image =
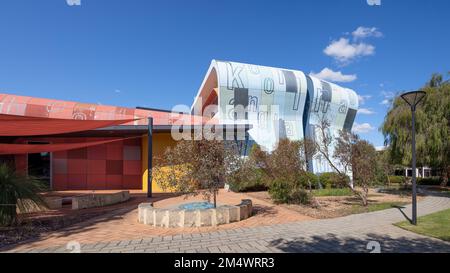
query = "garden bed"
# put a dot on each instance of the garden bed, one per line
(337, 206)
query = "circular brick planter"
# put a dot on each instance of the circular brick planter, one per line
(166, 217)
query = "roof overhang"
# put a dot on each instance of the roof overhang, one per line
(133, 130)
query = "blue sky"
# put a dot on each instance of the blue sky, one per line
(155, 53)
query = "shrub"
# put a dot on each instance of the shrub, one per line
(300, 196)
(381, 177)
(286, 162)
(395, 179)
(430, 181)
(280, 192)
(309, 180)
(333, 180)
(17, 192)
(244, 182)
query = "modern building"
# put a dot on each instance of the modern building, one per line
(278, 103)
(112, 154)
(78, 146)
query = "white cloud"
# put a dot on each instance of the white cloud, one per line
(334, 76)
(380, 148)
(365, 32)
(365, 111)
(343, 51)
(388, 94)
(117, 91)
(362, 128)
(362, 98)
(388, 97)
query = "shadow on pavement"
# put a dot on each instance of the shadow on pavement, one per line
(330, 243)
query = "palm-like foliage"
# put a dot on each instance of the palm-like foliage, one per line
(18, 192)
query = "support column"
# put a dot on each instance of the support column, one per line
(414, 184)
(149, 157)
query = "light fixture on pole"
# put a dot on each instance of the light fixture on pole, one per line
(412, 99)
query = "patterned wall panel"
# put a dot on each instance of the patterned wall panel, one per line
(114, 165)
(282, 103)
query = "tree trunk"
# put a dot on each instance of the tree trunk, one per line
(445, 174)
(362, 195)
(365, 196)
(215, 198)
(364, 200)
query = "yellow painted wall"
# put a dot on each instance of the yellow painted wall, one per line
(160, 142)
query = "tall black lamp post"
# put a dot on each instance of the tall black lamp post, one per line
(412, 99)
(149, 157)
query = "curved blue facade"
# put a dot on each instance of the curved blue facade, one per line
(278, 103)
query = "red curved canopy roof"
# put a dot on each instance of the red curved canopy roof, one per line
(8, 149)
(11, 125)
(57, 109)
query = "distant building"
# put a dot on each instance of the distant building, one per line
(420, 172)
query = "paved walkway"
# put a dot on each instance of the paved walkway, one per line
(346, 234)
(119, 222)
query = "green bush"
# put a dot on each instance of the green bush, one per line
(309, 179)
(333, 180)
(299, 196)
(394, 179)
(380, 178)
(280, 192)
(250, 182)
(429, 181)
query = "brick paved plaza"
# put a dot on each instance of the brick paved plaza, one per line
(345, 234)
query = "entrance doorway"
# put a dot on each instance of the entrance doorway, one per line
(39, 165)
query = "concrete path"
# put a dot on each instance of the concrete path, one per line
(354, 233)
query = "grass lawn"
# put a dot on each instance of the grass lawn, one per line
(332, 192)
(435, 225)
(376, 206)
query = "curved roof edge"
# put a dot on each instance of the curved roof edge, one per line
(212, 79)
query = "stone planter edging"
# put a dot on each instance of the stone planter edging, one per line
(166, 217)
(99, 200)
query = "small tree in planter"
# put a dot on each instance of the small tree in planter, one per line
(197, 166)
(18, 192)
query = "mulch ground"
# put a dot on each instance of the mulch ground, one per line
(338, 206)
